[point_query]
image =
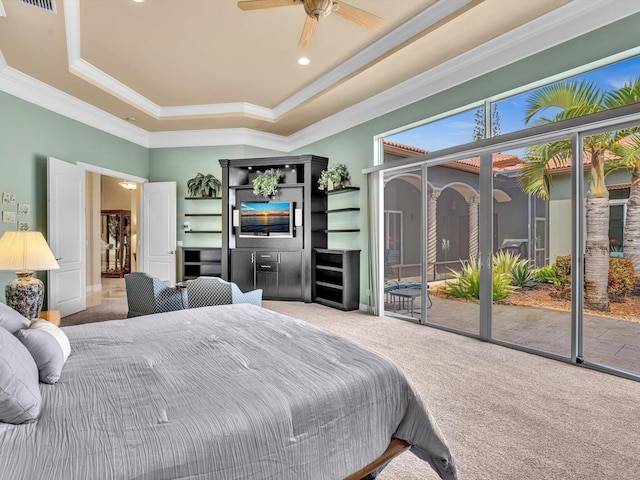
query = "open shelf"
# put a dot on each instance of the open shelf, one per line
(336, 191)
(350, 209)
(202, 224)
(341, 210)
(201, 262)
(336, 278)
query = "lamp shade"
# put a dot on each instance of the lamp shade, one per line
(25, 252)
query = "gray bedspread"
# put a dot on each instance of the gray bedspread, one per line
(227, 392)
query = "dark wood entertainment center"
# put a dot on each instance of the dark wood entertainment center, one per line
(280, 265)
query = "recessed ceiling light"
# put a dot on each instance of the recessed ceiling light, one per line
(304, 61)
(138, 1)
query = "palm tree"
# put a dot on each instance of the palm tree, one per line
(565, 100)
(627, 151)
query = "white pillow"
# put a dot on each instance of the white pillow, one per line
(49, 347)
(20, 399)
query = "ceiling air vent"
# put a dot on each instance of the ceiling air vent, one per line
(48, 5)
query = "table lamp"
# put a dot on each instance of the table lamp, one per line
(24, 253)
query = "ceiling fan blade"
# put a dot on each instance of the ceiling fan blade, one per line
(308, 31)
(366, 19)
(258, 4)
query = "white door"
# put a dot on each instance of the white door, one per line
(159, 230)
(66, 236)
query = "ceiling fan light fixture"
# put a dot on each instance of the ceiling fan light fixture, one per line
(128, 185)
(319, 8)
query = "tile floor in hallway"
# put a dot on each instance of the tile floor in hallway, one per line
(112, 289)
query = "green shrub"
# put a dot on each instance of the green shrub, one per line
(546, 274)
(562, 281)
(622, 279)
(522, 276)
(505, 261)
(466, 283)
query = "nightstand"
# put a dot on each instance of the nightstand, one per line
(51, 316)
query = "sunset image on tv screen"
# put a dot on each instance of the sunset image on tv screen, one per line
(265, 217)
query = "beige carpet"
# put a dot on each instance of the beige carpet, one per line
(507, 415)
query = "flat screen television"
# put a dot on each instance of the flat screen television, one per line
(266, 219)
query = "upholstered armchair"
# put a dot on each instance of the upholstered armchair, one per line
(147, 295)
(207, 291)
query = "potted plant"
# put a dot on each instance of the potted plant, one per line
(335, 177)
(266, 184)
(204, 185)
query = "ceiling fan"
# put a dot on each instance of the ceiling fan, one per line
(317, 9)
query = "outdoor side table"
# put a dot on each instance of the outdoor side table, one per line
(405, 295)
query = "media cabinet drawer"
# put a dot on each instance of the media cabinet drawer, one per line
(266, 266)
(266, 257)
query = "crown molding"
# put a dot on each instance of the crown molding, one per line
(34, 91)
(243, 108)
(218, 137)
(563, 24)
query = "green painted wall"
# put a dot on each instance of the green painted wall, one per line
(29, 134)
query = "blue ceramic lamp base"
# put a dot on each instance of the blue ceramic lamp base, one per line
(25, 294)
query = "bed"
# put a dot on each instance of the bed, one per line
(224, 392)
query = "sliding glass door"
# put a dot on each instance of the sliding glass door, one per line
(453, 226)
(611, 317)
(404, 285)
(532, 245)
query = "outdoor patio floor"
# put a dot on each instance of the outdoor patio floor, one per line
(607, 341)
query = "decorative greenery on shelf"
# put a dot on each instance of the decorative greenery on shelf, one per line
(337, 174)
(204, 185)
(266, 184)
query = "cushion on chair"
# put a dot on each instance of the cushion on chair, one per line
(207, 291)
(147, 295)
(253, 297)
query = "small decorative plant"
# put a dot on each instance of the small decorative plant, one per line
(204, 185)
(266, 184)
(337, 175)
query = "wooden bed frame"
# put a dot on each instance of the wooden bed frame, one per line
(395, 448)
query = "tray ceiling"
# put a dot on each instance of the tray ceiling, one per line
(194, 65)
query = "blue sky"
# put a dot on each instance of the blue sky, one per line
(458, 129)
(260, 207)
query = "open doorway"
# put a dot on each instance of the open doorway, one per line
(113, 211)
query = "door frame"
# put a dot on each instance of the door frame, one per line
(112, 173)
